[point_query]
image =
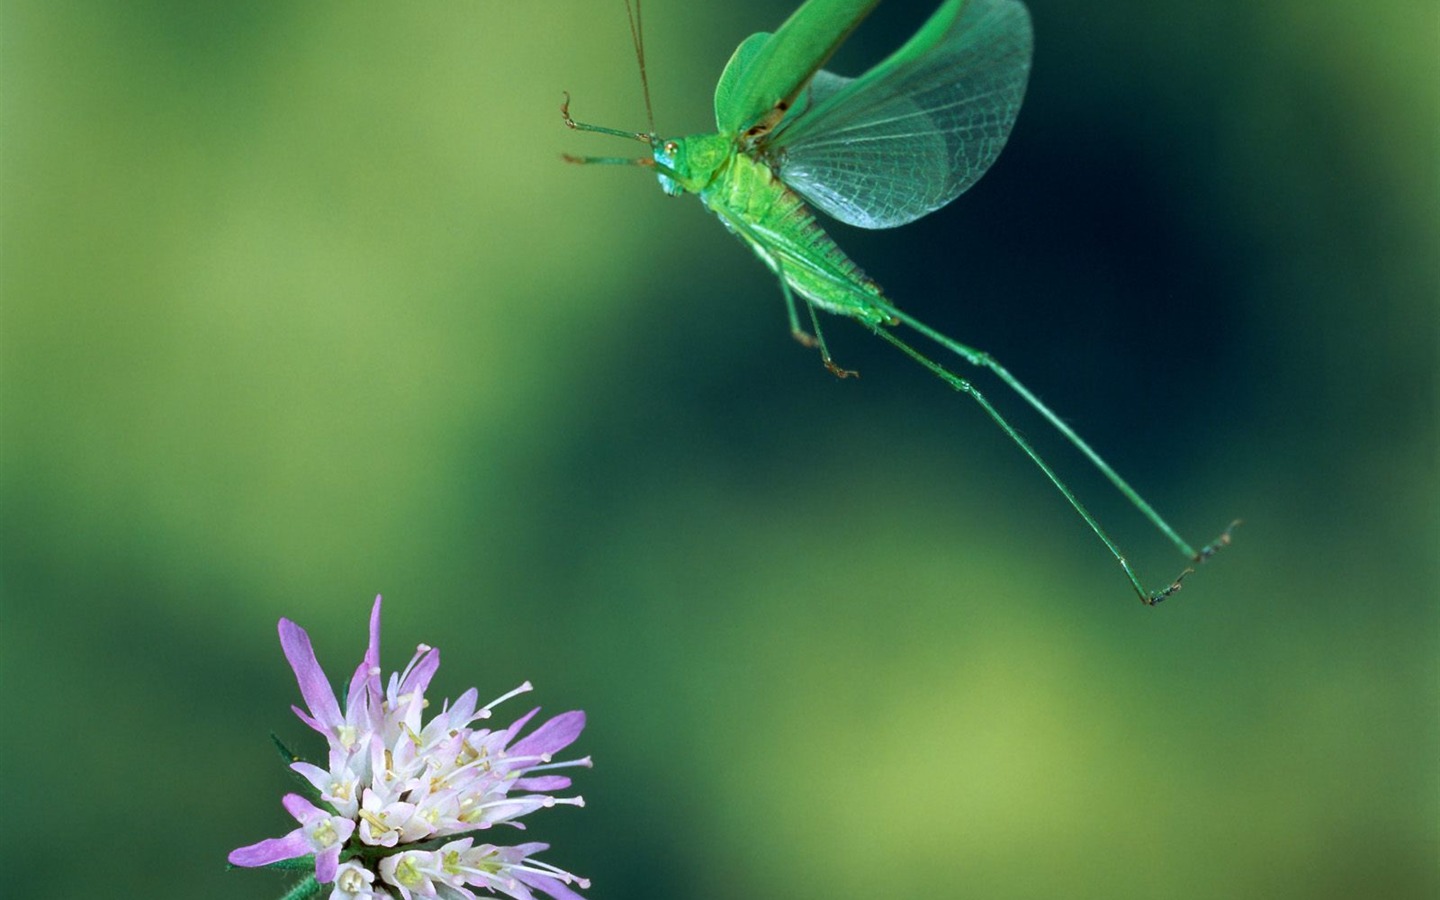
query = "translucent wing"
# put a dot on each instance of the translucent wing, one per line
(822, 87)
(910, 135)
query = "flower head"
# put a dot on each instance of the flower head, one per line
(397, 806)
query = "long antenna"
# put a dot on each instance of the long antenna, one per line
(637, 37)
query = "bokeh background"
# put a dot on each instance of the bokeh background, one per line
(301, 306)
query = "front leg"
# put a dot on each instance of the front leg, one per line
(818, 339)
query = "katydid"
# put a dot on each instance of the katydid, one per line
(877, 151)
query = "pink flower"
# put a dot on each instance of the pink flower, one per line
(395, 786)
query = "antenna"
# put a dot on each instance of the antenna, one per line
(637, 37)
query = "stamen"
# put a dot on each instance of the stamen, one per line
(513, 762)
(376, 821)
(404, 675)
(584, 762)
(527, 686)
(543, 868)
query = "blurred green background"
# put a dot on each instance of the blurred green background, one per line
(301, 306)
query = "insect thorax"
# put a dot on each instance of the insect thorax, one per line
(694, 161)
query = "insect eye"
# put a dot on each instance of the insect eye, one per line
(671, 146)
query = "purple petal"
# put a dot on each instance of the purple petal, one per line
(290, 846)
(418, 678)
(518, 724)
(462, 711)
(367, 676)
(303, 810)
(320, 778)
(552, 886)
(542, 783)
(326, 862)
(556, 734)
(303, 716)
(313, 686)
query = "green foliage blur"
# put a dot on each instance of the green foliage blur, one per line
(300, 306)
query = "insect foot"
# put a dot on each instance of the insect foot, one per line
(1220, 543)
(1201, 557)
(1174, 588)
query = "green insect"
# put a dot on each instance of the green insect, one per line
(877, 151)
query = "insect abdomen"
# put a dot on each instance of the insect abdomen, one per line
(782, 230)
